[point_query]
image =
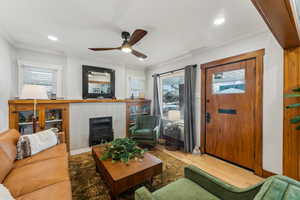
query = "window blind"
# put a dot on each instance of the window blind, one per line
(41, 76)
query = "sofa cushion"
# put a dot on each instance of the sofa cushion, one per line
(279, 188)
(56, 151)
(6, 165)
(187, 190)
(61, 190)
(143, 134)
(31, 177)
(8, 143)
(145, 131)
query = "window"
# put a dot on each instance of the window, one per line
(172, 88)
(229, 82)
(136, 87)
(47, 76)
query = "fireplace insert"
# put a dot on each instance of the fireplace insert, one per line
(101, 130)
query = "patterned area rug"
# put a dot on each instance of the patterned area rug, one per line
(88, 185)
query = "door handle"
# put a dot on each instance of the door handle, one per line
(207, 117)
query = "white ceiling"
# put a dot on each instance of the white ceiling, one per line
(175, 27)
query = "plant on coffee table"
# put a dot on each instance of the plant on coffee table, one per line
(122, 149)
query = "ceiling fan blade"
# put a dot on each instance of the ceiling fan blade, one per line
(104, 49)
(138, 54)
(136, 36)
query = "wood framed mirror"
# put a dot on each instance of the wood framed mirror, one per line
(97, 82)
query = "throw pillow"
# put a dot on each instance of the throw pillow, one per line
(4, 193)
(29, 145)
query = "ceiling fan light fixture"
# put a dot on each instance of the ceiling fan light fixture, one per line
(52, 38)
(128, 42)
(126, 48)
(219, 21)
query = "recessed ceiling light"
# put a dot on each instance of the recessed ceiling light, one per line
(52, 38)
(141, 59)
(219, 21)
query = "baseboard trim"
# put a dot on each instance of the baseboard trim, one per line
(267, 174)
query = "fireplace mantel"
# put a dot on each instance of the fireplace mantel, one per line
(75, 116)
(62, 101)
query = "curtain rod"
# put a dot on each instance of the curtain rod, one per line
(172, 71)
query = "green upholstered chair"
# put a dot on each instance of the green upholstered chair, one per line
(198, 185)
(146, 130)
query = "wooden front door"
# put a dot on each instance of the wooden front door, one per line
(230, 112)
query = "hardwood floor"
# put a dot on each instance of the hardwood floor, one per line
(225, 171)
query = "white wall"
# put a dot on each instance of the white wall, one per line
(8, 79)
(272, 89)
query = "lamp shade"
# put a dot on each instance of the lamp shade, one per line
(174, 115)
(34, 92)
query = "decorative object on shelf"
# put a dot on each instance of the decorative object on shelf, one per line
(142, 95)
(296, 119)
(34, 92)
(122, 149)
(22, 118)
(53, 96)
(54, 114)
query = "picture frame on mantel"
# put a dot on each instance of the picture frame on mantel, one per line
(89, 76)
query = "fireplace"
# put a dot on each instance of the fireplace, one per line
(100, 130)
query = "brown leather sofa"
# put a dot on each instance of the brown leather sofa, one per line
(44, 176)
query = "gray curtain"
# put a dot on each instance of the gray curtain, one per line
(189, 108)
(156, 106)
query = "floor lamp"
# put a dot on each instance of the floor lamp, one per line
(34, 92)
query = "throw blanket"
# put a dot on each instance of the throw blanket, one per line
(29, 145)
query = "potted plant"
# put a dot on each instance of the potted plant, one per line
(122, 149)
(295, 119)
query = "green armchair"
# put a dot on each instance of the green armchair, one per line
(198, 185)
(146, 130)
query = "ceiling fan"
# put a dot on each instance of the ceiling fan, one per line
(128, 42)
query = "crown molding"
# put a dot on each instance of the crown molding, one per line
(20, 45)
(7, 37)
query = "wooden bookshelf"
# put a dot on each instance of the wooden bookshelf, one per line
(134, 108)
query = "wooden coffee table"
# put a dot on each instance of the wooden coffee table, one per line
(121, 176)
